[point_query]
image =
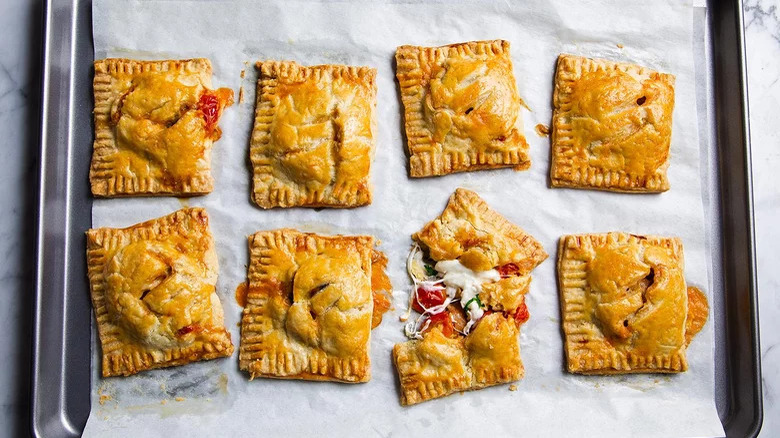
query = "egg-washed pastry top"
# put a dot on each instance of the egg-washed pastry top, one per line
(625, 304)
(309, 310)
(154, 295)
(462, 110)
(469, 291)
(612, 126)
(313, 136)
(155, 123)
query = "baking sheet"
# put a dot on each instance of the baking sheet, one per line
(215, 398)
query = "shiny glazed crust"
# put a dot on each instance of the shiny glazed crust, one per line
(436, 366)
(309, 307)
(612, 126)
(179, 163)
(313, 136)
(624, 303)
(461, 108)
(171, 263)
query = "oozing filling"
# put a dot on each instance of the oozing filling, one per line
(447, 295)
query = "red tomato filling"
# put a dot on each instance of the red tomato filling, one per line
(508, 270)
(521, 314)
(209, 106)
(427, 298)
(443, 321)
(188, 329)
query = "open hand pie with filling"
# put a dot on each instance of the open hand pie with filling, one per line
(470, 296)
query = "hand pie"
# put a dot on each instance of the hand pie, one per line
(461, 108)
(625, 305)
(153, 291)
(155, 123)
(470, 293)
(313, 136)
(309, 307)
(612, 126)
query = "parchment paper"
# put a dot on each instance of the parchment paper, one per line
(214, 399)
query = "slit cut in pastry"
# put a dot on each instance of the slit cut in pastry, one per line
(154, 296)
(612, 126)
(462, 111)
(155, 123)
(310, 308)
(625, 305)
(313, 136)
(470, 292)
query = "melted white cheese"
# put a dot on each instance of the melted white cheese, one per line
(456, 276)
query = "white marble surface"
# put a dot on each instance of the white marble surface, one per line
(19, 55)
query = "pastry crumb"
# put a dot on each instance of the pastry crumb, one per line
(178, 399)
(243, 73)
(620, 46)
(542, 130)
(513, 387)
(241, 94)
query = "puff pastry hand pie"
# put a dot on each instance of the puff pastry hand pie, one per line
(153, 291)
(470, 296)
(309, 307)
(626, 307)
(155, 123)
(313, 136)
(461, 108)
(612, 126)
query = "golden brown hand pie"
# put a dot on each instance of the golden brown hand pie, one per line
(153, 291)
(471, 298)
(309, 307)
(313, 136)
(155, 123)
(461, 108)
(612, 126)
(625, 304)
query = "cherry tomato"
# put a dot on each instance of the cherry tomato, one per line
(521, 314)
(209, 106)
(428, 297)
(508, 269)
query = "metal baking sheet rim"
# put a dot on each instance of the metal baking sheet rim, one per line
(61, 343)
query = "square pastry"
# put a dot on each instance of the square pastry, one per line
(155, 123)
(461, 108)
(313, 136)
(471, 269)
(153, 288)
(612, 126)
(625, 305)
(308, 312)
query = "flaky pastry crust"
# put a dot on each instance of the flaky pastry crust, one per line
(154, 296)
(155, 123)
(461, 108)
(625, 304)
(309, 307)
(313, 136)
(612, 126)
